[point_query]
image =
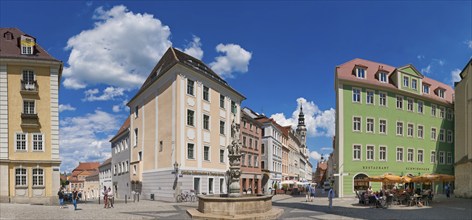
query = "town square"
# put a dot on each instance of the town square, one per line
(235, 110)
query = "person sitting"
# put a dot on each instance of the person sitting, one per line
(369, 191)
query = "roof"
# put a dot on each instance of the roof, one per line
(11, 48)
(87, 166)
(106, 162)
(345, 72)
(173, 56)
(122, 129)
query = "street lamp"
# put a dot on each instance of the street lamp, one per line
(176, 169)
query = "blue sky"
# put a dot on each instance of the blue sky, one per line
(278, 54)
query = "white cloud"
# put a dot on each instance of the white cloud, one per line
(66, 107)
(119, 50)
(116, 108)
(110, 93)
(469, 44)
(315, 155)
(426, 69)
(326, 148)
(318, 122)
(85, 138)
(440, 62)
(455, 75)
(420, 57)
(235, 59)
(194, 48)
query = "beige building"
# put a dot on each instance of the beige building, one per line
(181, 121)
(29, 120)
(463, 133)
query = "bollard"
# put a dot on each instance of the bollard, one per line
(99, 200)
(138, 197)
(126, 199)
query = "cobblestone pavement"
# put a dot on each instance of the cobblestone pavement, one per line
(294, 208)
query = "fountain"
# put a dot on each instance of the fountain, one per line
(234, 205)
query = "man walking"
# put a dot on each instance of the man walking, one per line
(60, 194)
(330, 197)
(308, 193)
(75, 197)
(312, 192)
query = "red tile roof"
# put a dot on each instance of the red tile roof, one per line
(11, 48)
(86, 166)
(345, 72)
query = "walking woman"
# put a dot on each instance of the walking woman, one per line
(75, 197)
(105, 197)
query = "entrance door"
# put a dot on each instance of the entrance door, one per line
(196, 185)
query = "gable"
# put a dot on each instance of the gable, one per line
(411, 70)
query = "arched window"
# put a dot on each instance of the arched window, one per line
(361, 182)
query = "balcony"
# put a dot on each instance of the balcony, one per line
(29, 120)
(29, 87)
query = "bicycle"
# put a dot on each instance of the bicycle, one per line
(186, 197)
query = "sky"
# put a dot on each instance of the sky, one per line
(279, 54)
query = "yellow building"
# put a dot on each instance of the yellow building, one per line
(463, 133)
(181, 121)
(29, 120)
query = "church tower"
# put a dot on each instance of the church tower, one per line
(301, 128)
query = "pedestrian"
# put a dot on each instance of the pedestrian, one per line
(330, 197)
(308, 193)
(60, 194)
(75, 197)
(448, 190)
(110, 198)
(105, 197)
(312, 192)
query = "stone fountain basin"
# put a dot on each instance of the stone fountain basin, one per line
(223, 204)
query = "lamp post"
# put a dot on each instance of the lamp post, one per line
(176, 169)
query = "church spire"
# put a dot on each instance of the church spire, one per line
(301, 117)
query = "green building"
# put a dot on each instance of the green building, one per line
(390, 120)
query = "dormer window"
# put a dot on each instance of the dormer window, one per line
(27, 44)
(426, 89)
(441, 93)
(8, 35)
(360, 72)
(406, 81)
(383, 77)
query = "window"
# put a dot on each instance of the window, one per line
(357, 152)
(382, 99)
(420, 156)
(441, 135)
(420, 107)
(406, 81)
(244, 141)
(256, 144)
(135, 137)
(433, 110)
(222, 127)
(190, 151)
(420, 131)
(249, 160)
(222, 156)
(399, 154)
(370, 125)
(21, 140)
(383, 126)
(190, 86)
(190, 117)
(210, 185)
(140, 156)
(20, 177)
(127, 166)
(27, 44)
(256, 161)
(383, 77)
(441, 157)
(442, 112)
(262, 149)
(38, 142)
(28, 77)
(360, 73)
(399, 102)
(400, 128)
(206, 153)
(449, 114)
(425, 89)
(441, 93)
(410, 130)
(370, 97)
(433, 133)
(234, 108)
(413, 84)
(206, 93)
(356, 95)
(449, 158)
(370, 152)
(243, 159)
(136, 111)
(410, 104)
(410, 155)
(357, 124)
(449, 136)
(383, 153)
(222, 101)
(432, 159)
(250, 142)
(206, 122)
(28, 107)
